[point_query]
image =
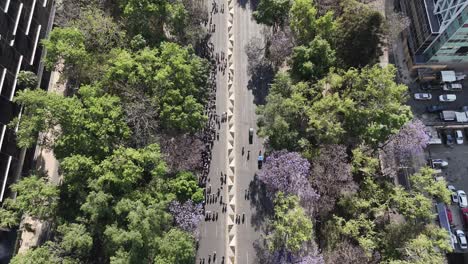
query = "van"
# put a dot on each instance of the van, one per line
(448, 115)
(454, 87)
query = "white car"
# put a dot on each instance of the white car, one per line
(454, 193)
(461, 239)
(459, 137)
(455, 87)
(447, 98)
(422, 96)
(462, 199)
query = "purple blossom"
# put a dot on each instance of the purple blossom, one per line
(288, 172)
(410, 140)
(186, 215)
(311, 259)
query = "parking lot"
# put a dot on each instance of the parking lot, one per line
(456, 155)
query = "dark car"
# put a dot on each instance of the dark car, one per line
(429, 86)
(449, 215)
(449, 139)
(464, 212)
(436, 108)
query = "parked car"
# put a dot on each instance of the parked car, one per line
(464, 212)
(422, 96)
(462, 202)
(447, 98)
(461, 239)
(436, 108)
(429, 86)
(449, 139)
(438, 163)
(459, 136)
(454, 193)
(454, 87)
(449, 215)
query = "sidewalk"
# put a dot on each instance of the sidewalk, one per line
(34, 231)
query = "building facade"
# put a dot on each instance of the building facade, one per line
(23, 23)
(438, 33)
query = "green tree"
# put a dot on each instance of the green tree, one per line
(67, 44)
(185, 186)
(272, 12)
(428, 247)
(290, 227)
(40, 255)
(150, 17)
(137, 230)
(362, 229)
(173, 77)
(424, 182)
(359, 35)
(375, 106)
(91, 123)
(27, 79)
(281, 118)
(100, 32)
(75, 239)
(312, 62)
(35, 197)
(306, 24)
(414, 206)
(127, 168)
(176, 247)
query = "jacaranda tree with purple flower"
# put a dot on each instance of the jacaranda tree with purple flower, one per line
(411, 139)
(186, 215)
(288, 172)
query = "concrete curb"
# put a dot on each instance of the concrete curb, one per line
(231, 210)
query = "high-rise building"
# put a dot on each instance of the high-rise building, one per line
(23, 23)
(438, 33)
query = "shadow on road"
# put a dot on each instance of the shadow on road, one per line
(262, 203)
(261, 77)
(253, 4)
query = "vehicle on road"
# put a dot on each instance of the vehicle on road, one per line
(449, 139)
(260, 160)
(454, 193)
(464, 212)
(461, 239)
(251, 132)
(454, 87)
(449, 215)
(459, 137)
(422, 96)
(438, 163)
(429, 86)
(436, 108)
(447, 98)
(462, 202)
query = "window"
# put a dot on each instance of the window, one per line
(462, 51)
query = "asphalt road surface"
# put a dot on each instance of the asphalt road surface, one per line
(213, 234)
(245, 28)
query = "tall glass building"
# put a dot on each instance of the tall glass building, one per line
(23, 23)
(438, 33)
